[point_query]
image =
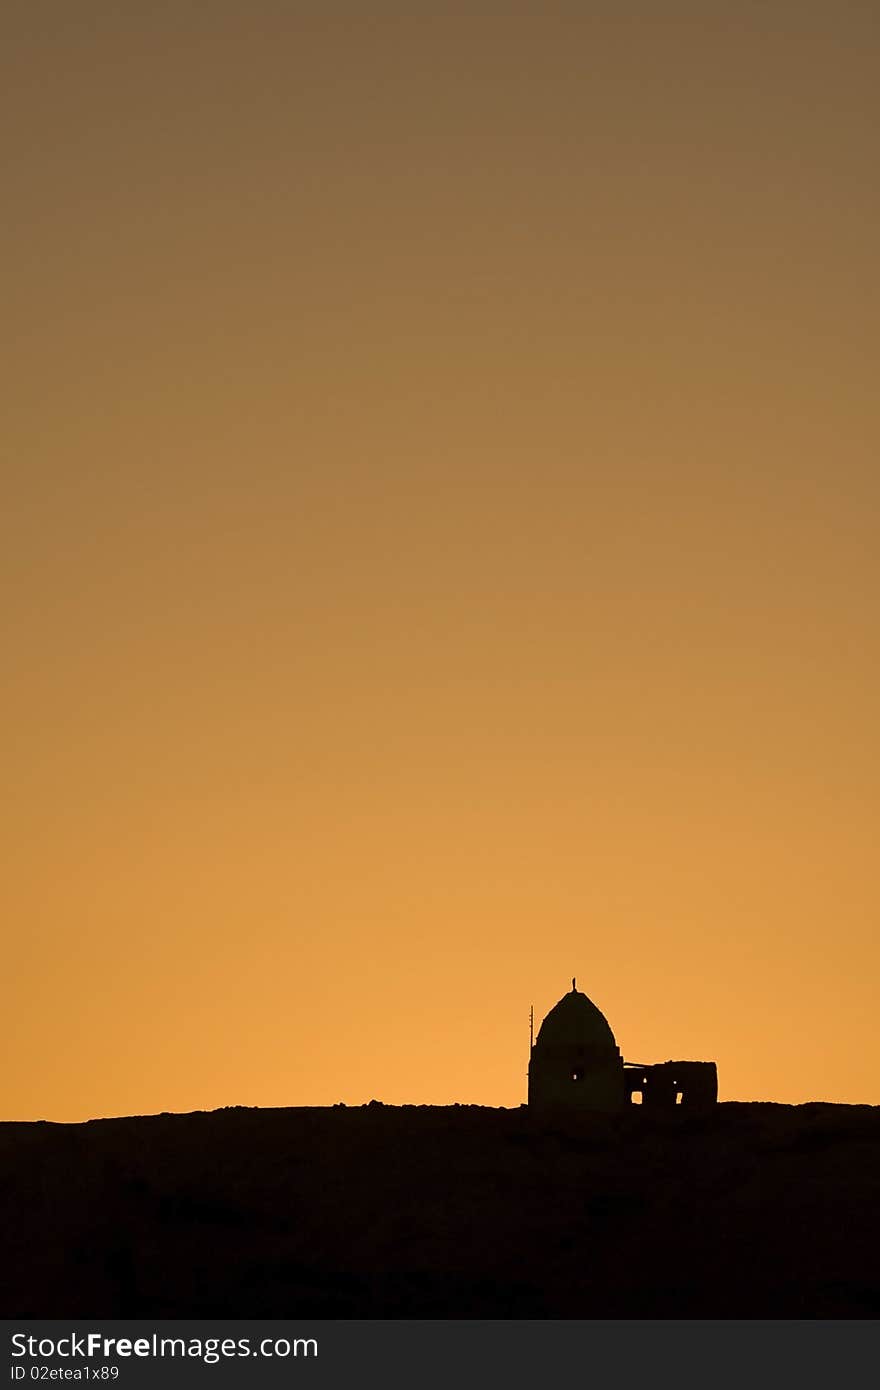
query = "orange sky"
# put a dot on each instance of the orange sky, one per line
(439, 546)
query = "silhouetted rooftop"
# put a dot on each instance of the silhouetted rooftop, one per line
(575, 1019)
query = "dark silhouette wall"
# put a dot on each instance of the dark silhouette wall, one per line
(693, 1085)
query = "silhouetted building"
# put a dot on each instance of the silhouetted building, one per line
(576, 1064)
(575, 1061)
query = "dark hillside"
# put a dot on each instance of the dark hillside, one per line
(379, 1211)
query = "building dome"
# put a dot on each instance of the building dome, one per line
(576, 1022)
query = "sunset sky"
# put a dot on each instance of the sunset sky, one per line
(440, 546)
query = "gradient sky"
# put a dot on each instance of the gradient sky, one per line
(439, 546)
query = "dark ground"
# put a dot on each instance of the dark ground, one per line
(379, 1211)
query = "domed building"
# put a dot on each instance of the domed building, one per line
(575, 1061)
(575, 1064)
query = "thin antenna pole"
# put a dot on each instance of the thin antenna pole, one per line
(531, 1027)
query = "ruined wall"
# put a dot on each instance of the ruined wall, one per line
(692, 1085)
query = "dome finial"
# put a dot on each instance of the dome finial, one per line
(573, 985)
